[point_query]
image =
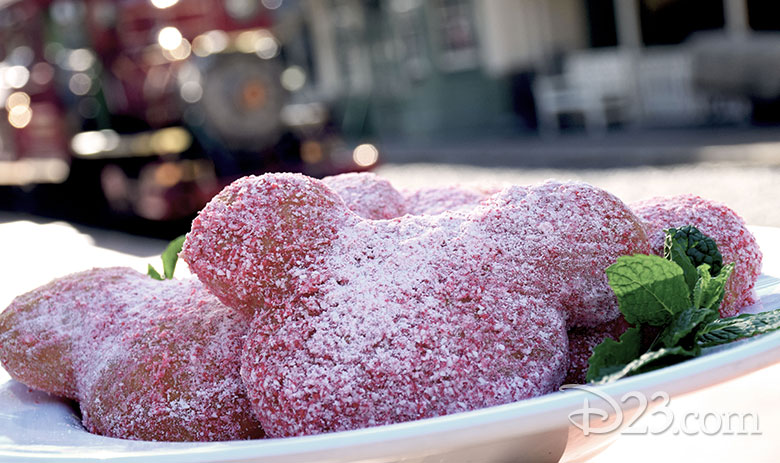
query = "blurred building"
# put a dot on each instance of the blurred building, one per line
(444, 68)
(151, 105)
(431, 69)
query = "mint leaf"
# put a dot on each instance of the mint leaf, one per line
(169, 258)
(171, 255)
(674, 251)
(700, 248)
(709, 291)
(153, 273)
(611, 355)
(649, 361)
(684, 324)
(649, 289)
(731, 329)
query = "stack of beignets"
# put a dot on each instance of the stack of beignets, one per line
(340, 304)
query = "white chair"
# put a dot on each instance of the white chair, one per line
(666, 91)
(598, 84)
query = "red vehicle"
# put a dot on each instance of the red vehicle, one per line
(145, 108)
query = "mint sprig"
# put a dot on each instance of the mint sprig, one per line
(650, 288)
(675, 251)
(679, 294)
(695, 245)
(650, 360)
(611, 356)
(732, 329)
(708, 291)
(169, 258)
(683, 326)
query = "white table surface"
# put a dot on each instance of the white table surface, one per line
(34, 253)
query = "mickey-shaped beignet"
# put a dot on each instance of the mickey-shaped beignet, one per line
(366, 322)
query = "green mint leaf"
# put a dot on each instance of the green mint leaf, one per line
(649, 361)
(649, 289)
(709, 291)
(700, 248)
(684, 325)
(171, 255)
(697, 293)
(611, 355)
(674, 250)
(153, 273)
(731, 329)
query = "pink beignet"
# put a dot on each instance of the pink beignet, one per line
(146, 359)
(364, 322)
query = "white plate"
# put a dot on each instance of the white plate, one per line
(37, 427)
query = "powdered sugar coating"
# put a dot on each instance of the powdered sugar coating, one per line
(556, 240)
(582, 340)
(367, 195)
(372, 197)
(734, 240)
(380, 343)
(146, 359)
(437, 200)
(593, 213)
(247, 241)
(364, 322)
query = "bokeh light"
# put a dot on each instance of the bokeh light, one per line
(170, 140)
(162, 4)
(293, 78)
(181, 52)
(33, 170)
(266, 46)
(191, 91)
(311, 152)
(21, 56)
(169, 38)
(211, 42)
(241, 9)
(17, 99)
(20, 116)
(245, 41)
(271, 4)
(42, 73)
(90, 143)
(167, 174)
(365, 155)
(16, 76)
(80, 60)
(302, 114)
(80, 84)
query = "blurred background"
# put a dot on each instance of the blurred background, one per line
(131, 114)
